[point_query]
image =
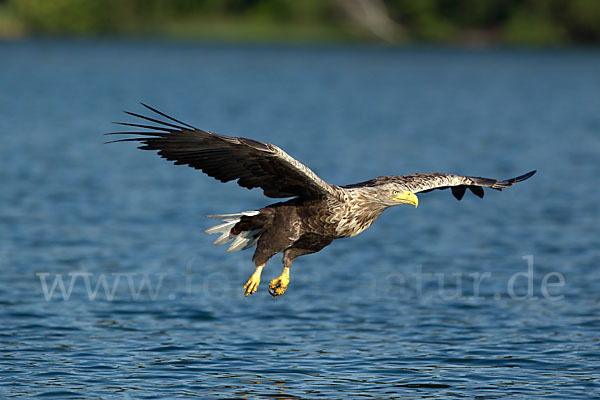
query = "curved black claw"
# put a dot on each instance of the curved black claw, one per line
(277, 287)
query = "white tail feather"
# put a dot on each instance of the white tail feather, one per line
(226, 227)
(251, 243)
(244, 240)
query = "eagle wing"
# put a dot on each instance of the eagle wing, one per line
(252, 163)
(457, 183)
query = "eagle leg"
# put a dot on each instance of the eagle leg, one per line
(252, 283)
(278, 286)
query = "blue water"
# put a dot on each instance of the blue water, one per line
(395, 312)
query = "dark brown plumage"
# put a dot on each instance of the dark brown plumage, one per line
(318, 212)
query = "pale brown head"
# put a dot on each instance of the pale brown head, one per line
(388, 195)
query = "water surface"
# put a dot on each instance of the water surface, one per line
(421, 305)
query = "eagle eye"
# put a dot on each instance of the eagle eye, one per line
(395, 192)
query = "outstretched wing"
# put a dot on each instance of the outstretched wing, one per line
(252, 163)
(457, 183)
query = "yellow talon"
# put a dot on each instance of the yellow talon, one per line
(252, 283)
(278, 286)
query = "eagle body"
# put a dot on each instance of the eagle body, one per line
(294, 227)
(316, 213)
(303, 226)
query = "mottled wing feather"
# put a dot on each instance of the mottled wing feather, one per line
(250, 162)
(424, 183)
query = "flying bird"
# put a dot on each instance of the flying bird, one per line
(317, 213)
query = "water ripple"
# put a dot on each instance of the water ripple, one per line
(364, 318)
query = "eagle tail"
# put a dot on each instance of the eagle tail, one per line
(242, 240)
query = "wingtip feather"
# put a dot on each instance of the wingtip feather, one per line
(167, 116)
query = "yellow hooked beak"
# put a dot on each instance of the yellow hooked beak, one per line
(407, 197)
